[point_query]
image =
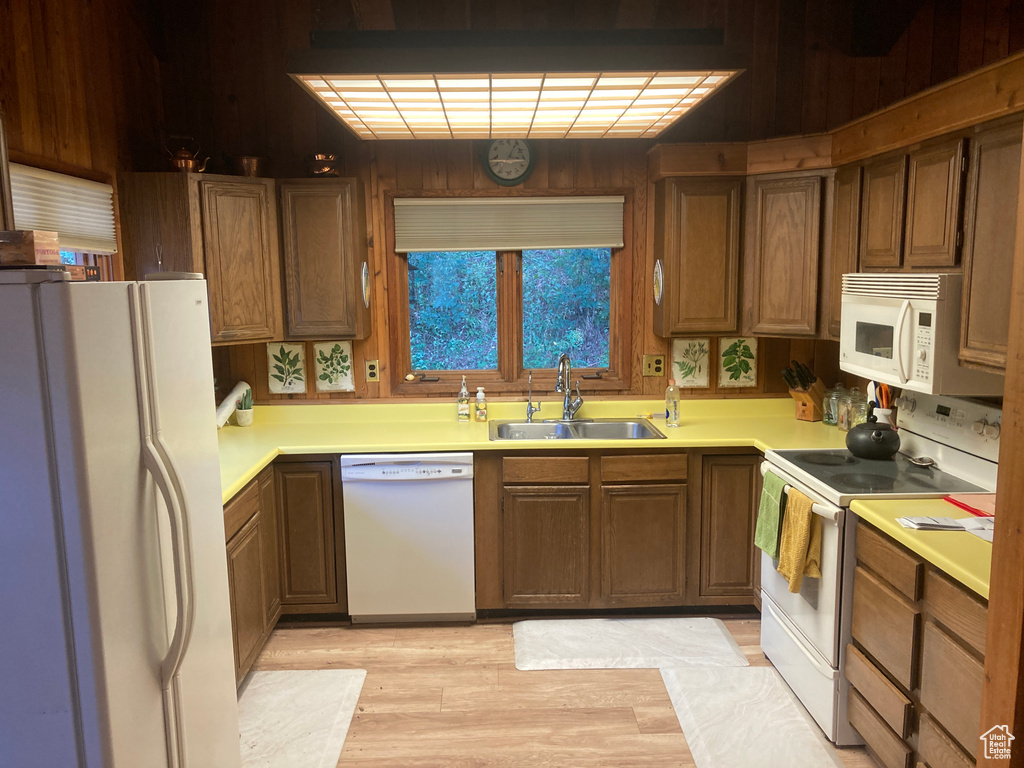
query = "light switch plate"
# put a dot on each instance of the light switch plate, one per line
(372, 370)
(654, 365)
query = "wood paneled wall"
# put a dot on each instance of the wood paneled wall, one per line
(79, 84)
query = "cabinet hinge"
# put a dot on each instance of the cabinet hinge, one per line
(502, 503)
(963, 164)
(960, 239)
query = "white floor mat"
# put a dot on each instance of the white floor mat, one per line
(297, 718)
(624, 644)
(745, 718)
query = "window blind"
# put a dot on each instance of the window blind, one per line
(507, 223)
(80, 211)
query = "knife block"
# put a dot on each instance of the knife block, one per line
(809, 402)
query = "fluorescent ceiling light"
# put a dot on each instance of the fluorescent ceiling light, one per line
(520, 105)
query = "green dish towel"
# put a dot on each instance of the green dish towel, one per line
(769, 514)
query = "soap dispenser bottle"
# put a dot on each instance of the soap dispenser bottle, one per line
(464, 402)
(480, 406)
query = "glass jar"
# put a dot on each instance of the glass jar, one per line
(830, 405)
(844, 411)
(858, 412)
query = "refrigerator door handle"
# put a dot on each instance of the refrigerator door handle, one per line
(156, 460)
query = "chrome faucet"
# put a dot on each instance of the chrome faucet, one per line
(530, 407)
(563, 383)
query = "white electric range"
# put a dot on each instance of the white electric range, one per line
(805, 634)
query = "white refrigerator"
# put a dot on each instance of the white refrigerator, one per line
(115, 648)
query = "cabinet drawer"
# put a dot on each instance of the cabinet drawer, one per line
(951, 682)
(885, 698)
(937, 748)
(886, 745)
(670, 467)
(886, 626)
(953, 606)
(894, 564)
(542, 469)
(240, 509)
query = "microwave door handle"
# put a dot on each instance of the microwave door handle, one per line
(901, 322)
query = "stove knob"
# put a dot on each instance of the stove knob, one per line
(907, 404)
(979, 427)
(992, 431)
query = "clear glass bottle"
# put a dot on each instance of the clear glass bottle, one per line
(463, 402)
(672, 404)
(844, 411)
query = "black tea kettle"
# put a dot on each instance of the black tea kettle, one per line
(872, 440)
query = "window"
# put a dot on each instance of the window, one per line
(496, 287)
(501, 314)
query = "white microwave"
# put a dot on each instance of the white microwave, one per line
(903, 329)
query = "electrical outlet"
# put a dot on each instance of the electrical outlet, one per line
(654, 365)
(372, 370)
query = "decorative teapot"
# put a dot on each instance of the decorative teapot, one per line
(872, 439)
(187, 157)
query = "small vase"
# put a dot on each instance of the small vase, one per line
(243, 417)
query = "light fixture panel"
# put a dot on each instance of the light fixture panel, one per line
(519, 105)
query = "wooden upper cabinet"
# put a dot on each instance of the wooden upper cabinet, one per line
(990, 227)
(240, 248)
(845, 240)
(881, 223)
(934, 193)
(697, 241)
(224, 227)
(323, 235)
(783, 248)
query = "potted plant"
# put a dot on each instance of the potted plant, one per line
(243, 409)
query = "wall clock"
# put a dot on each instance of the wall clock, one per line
(508, 161)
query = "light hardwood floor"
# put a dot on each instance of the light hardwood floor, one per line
(451, 696)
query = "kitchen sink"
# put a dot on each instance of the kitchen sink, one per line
(589, 429)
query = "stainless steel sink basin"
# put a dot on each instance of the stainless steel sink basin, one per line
(595, 429)
(613, 429)
(521, 430)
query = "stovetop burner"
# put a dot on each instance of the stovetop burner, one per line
(866, 481)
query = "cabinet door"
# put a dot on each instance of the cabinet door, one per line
(934, 187)
(308, 565)
(323, 227)
(990, 228)
(783, 250)
(730, 491)
(697, 239)
(642, 544)
(881, 222)
(845, 239)
(246, 580)
(546, 545)
(271, 565)
(240, 249)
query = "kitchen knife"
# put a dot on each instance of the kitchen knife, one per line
(790, 379)
(794, 366)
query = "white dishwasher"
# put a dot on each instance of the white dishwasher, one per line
(409, 536)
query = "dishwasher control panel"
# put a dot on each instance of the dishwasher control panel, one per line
(394, 467)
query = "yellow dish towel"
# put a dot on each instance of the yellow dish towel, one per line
(800, 549)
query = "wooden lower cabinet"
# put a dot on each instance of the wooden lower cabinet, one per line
(915, 668)
(251, 529)
(730, 490)
(613, 529)
(312, 544)
(643, 530)
(547, 545)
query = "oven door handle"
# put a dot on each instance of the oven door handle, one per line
(827, 511)
(825, 670)
(901, 321)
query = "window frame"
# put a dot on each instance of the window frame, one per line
(510, 376)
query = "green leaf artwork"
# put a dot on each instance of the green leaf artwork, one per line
(690, 362)
(286, 368)
(739, 362)
(334, 366)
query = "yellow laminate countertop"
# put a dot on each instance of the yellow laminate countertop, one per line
(402, 427)
(962, 555)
